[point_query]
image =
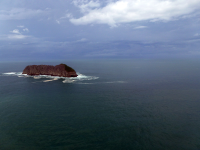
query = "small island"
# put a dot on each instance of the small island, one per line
(61, 70)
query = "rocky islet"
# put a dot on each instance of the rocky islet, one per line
(61, 70)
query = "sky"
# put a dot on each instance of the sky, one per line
(94, 29)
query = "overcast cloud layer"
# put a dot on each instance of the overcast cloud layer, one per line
(73, 29)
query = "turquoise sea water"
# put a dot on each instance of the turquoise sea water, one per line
(114, 104)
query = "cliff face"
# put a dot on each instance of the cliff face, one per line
(61, 70)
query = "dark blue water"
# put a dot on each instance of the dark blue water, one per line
(118, 104)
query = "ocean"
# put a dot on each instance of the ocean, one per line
(138, 104)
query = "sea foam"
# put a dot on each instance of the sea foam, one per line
(13, 73)
(79, 78)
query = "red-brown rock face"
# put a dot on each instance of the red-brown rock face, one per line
(61, 70)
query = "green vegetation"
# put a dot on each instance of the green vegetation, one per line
(67, 68)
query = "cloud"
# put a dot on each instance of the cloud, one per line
(126, 11)
(26, 29)
(140, 27)
(197, 34)
(193, 41)
(57, 21)
(20, 13)
(16, 35)
(68, 15)
(82, 40)
(16, 31)
(13, 36)
(85, 6)
(21, 26)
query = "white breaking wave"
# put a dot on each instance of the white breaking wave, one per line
(80, 77)
(84, 77)
(14, 73)
(68, 81)
(10, 73)
(47, 78)
(37, 77)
